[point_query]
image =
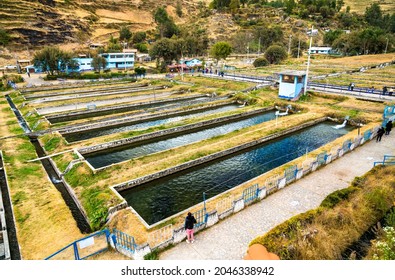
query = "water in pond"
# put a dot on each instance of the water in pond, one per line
(106, 131)
(104, 159)
(169, 195)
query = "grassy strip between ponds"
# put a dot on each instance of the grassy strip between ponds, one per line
(325, 232)
(44, 222)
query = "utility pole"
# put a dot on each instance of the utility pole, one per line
(386, 46)
(259, 46)
(289, 44)
(298, 48)
(248, 50)
(308, 62)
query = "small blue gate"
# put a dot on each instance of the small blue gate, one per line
(201, 217)
(290, 173)
(250, 193)
(124, 240)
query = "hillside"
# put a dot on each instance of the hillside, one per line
(35, 22)
(73, 24)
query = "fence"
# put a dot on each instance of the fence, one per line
(387, 160)
(290, 173)
(346, 88)
(84, 247)
(124, 241)
(250, 194)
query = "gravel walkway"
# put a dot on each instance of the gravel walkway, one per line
(229, 239)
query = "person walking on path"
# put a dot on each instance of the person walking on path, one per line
(388, 127)
(380, 134)
(385, 90)
(352, 86)
(189, 223)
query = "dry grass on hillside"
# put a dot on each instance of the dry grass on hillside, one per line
(359, 6)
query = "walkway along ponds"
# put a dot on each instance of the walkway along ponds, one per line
(70, 200)
(161, 198)
(135, 124)
(154, 145)
(159, 104)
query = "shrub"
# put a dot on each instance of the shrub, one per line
(260, 61)
(334, 198)
(275, 54)
(384, 249)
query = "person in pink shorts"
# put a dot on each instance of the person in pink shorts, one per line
(189, 223)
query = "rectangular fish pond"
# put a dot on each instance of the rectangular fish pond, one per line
(105, 158)
(79, 136)
(164, 197)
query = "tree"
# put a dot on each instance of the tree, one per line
(297, 46)
(339, 5)
(113, 45)
(139, 37)
(98, 63)
(220, 50)
(260, 61)
(220, 4)
(331, 36)
(52, 60)
(140, 71)
(290, 5)
(141, 47)
(4, 37)
(269, 35)
(163, 49)
(240, 41)
(275, 54)
(374, 15)
(165, 24)
(125, 34)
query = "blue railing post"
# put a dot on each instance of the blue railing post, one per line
(76, 254)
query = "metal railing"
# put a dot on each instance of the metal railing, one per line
(84, 247)
(387, 160)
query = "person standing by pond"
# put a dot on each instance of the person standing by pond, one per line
(388, 127)
(190, 221)
(380, 134)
